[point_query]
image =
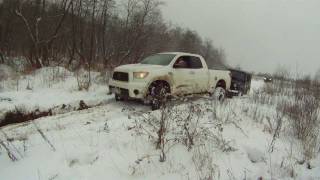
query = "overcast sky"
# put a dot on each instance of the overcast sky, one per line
(258, 35)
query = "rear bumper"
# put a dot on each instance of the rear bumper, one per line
(136, 90)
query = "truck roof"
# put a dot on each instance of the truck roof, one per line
(210, 66)
(238, 70)
(180, 53)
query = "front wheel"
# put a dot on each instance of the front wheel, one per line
(219, 94)
(158, 93)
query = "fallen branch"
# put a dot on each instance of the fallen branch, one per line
(44, 136)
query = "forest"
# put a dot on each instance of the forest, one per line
(93, 34)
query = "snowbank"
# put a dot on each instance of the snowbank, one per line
(49, 87)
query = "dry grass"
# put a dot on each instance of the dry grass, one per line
(298, 102)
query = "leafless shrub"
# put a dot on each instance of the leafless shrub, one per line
(156, 127)
(102, 76)
(276, 128)
(298, 101)
(194, 131)
(177, 128)
(189, 126)
(162, 132)
(223, 115)
(58, 74)
(278, 87)
(203, 162)
(270, 88)
(303, 113)
(262, 98)
(254, 111)
(315, 89)
(289, 163)
(176, 124)
(49, 76)
(281, 73)
(221, 143)
(83, 80)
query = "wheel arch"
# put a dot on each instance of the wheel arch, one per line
(221, 83)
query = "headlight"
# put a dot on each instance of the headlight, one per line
(140, 75)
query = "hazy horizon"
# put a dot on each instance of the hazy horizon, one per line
(257, 35)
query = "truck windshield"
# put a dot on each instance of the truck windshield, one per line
(158, 59)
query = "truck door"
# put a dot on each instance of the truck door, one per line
(189, 75)
(182, 76)
(200, 74)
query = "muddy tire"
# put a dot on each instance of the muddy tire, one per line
(159, 95)
(219, 94)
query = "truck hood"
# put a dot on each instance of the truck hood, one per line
(138, 67)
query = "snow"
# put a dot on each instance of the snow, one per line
(5, 72)
(255, 155)
(47, 88)
(256, 84)
(117, 139)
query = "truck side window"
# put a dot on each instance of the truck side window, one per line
(181, 62)
(188, 62)
(195, 63)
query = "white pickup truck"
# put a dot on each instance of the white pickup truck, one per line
(173, 73)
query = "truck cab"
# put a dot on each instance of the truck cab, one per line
(178, 73)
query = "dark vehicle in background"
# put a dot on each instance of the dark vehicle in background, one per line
(267, 79)
(240, 82)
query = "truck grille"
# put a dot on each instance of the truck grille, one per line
(120, 76)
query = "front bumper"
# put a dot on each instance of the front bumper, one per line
(135, 90)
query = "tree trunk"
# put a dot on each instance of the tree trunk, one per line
(1, 58)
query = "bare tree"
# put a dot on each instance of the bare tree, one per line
(40, 46)
(1, 58)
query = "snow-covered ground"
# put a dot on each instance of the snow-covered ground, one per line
(117, 140)
(47, 88)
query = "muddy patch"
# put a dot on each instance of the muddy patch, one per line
(19, 115)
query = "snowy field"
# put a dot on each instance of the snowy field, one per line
(118, 140)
